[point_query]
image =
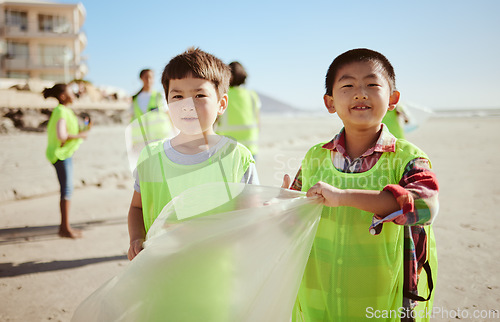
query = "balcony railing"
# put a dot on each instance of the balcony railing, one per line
(34, 30)
(26, 65)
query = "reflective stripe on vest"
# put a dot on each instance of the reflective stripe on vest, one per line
(348, 269)
(160, 179)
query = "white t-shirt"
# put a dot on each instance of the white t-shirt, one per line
(143, 101)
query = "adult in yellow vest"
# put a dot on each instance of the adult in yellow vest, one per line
(64, 138)
(147, 99)
(241, 119)
(149, 108)
(150, 120)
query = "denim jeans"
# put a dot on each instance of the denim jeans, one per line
(64, 169)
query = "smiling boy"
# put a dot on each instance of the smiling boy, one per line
(196, 85)
(364, 176)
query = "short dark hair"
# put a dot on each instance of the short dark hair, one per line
(238, 74)
(198, 64)
(359, 55)
(144, 71)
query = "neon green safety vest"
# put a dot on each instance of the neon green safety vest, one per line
(155, 102)
(54, 149)
(241, 118)
(391, 119)
(352, 275)
(161, 179)
(153, 125)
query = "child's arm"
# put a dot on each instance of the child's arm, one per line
(136, 229)
(382, 203)
(416, 193)
(62, 132)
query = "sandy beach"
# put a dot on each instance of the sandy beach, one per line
(44, 277)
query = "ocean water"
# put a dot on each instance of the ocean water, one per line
(418, 114)
(472, 112)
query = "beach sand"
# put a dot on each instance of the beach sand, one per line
(44, 277)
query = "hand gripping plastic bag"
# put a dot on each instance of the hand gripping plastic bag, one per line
(217, 252)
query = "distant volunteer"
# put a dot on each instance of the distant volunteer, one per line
(395, 120)
(149, 110)
(64, 137)
(241, 119)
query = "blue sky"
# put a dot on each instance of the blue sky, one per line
(446, 53)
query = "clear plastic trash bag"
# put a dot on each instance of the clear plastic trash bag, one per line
(235, 252)
(417, 115)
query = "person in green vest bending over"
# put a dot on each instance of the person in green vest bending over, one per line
(241, 119)
(64, 138)
(367, 178)
(196, 85)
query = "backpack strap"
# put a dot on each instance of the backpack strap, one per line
(430, 283)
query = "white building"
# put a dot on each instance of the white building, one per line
(42, 40)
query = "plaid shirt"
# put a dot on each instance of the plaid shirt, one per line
(416, 194)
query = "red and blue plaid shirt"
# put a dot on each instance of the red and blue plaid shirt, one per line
(416, 193)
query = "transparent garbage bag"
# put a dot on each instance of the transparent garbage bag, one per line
(217, 252)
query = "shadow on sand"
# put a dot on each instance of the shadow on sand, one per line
(10, 270)
(37, 233)
(20, 235)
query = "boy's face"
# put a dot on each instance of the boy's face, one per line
(198, 115)
(361, 95)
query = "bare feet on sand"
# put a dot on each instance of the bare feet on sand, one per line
(70, 233)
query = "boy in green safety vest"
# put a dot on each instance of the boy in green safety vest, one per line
(241, 119)
(366, 177)
(196, 85)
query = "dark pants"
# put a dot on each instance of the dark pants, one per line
(64, 169)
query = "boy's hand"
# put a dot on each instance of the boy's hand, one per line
(286, 182)
(135, 248)
(283, 194)
(329, 195)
